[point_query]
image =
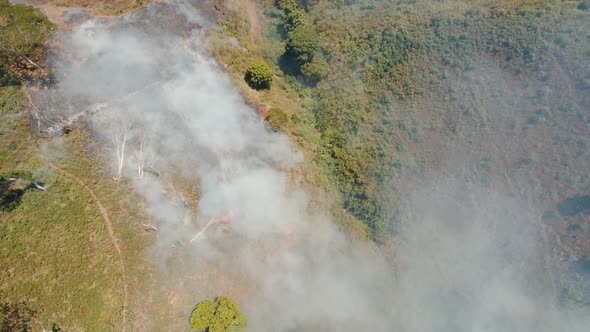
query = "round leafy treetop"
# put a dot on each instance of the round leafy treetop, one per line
(221, 315)
(259, 75)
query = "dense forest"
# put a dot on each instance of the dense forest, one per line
(390, 96)
(389, 80)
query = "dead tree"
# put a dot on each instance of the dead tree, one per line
(119, 138)
(140, 154)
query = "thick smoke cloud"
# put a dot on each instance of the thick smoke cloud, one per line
(461, 264)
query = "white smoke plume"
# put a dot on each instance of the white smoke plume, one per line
(147, 80)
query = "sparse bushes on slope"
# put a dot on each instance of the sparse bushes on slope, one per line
(259, 75)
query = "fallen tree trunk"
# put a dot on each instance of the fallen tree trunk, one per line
(94, 108)
(200, 232)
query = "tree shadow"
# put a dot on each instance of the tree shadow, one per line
(10, 197)
(568, 208)
(12, 191)
(6, 79)
(289, 65)
(574, 206)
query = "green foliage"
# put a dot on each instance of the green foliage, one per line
(373, 64)
(293, 14)
(259, 75)
(60, 230)
(316, 69)
(203, 316)
(22, 27)
(223, 315)
(395, 47)
(302, 43)
(277, 119)
(6, 79)
(23, 33)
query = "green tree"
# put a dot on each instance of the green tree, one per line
(316, 69)
(223, 315)
(259, 75)
(293, 14)
(302, 43)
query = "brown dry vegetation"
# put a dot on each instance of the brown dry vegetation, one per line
(95, 7)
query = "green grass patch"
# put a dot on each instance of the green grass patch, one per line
(56, 254)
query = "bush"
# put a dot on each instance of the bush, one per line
(219, 316)
(293, 14)
(6, 78)
(259, 75)
(277, 119)
(316, 69)
(302, 43)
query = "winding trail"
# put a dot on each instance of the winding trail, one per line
(112, 235)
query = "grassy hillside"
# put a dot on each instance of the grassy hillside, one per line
(60, 265)
(56, 253)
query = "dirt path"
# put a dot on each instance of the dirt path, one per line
(112, 235)
(255, 28)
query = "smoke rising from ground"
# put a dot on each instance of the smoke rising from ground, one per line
(464, 263)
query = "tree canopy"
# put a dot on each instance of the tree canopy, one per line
(221, 315)
(302, 43)
(259, 75)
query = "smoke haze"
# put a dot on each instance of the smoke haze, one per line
(469, 260)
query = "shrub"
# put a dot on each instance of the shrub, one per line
(302, 43)
(277, 119)
(316, 69)
(259, 75)
(6, 78)
(293, 14)
(219, 316)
